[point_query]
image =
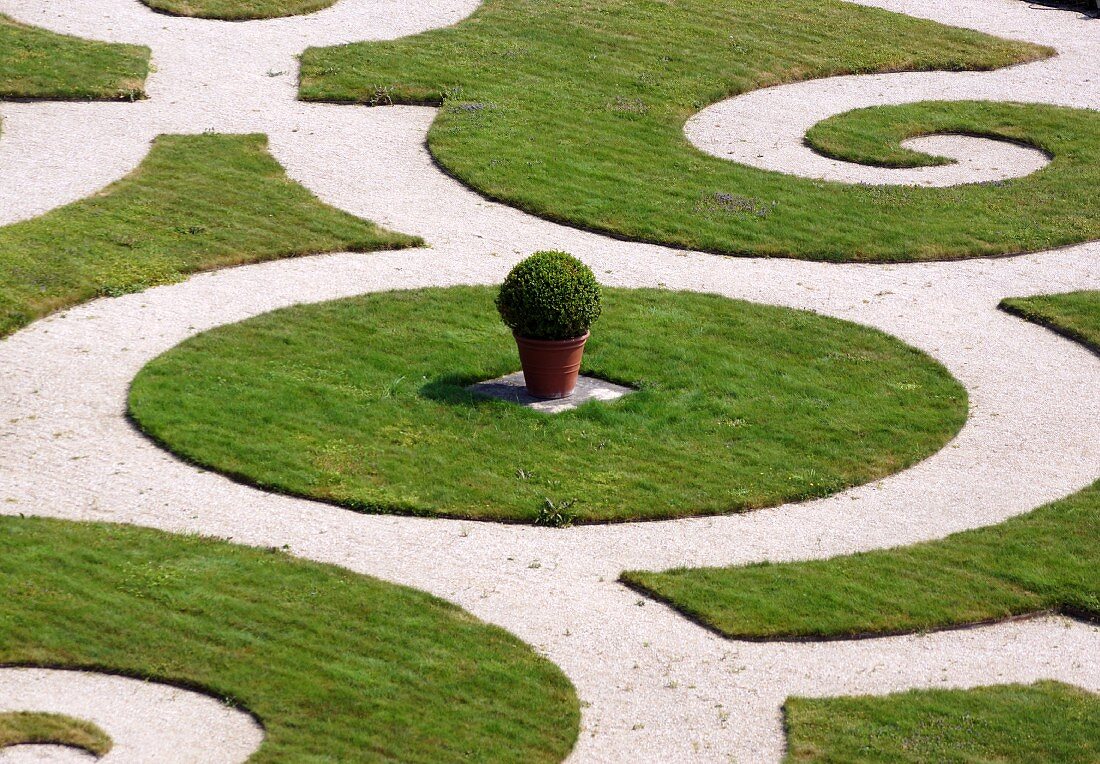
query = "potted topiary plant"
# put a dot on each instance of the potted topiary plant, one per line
(549, 301)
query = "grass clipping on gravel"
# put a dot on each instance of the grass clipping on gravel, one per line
(237, 10)
(336, 666)
(361, 402)
(1007, 724)
(30, 728)
(195, 203)
(36, 63)
(574, 110)
(1046, 560)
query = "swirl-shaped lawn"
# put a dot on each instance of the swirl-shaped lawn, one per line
(362, 402)
(336, 666)
(575, 111)
(238, 10)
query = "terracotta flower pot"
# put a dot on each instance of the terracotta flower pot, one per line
(551, 367)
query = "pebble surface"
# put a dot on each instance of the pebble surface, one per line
(654, 686)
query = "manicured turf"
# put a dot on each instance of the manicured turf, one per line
(336, 666)
(195, 203)
(1006, 724)
(872, 136)
(28, 728)
(35, 63)
(237, 10)
(1042, 561)
(1075, 315)
(1045, 560)
(574, 110)
(361, 402)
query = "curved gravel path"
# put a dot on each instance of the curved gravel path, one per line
(146, 721)
(658, 687)
(765, 128)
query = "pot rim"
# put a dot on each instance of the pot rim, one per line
(552, 343)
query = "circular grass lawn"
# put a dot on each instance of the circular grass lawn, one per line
(238, 10)
(336, 666)
(362, 402)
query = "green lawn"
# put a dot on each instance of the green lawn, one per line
(337, 667)
(195, 203)
(35, 63)
(237, 10)
(873, 136)
(1075, 315)
(1006, 724)
(1043, 561)
(29, 728)
(574, 110)
(360, 402)
(1047, 560)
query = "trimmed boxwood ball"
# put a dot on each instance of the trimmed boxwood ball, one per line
(550, 296)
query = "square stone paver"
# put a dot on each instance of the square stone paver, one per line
(511, 388)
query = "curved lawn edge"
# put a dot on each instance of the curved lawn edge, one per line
(529, 121)
(329, 663)
(382, 408)
(1038, 563)
(36, 728)
(37, 64)
(1044, 721)
(873, 135)
(1073, 315)
(237, 10)
(195, 203)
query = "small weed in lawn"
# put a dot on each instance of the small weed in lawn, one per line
(556, 514)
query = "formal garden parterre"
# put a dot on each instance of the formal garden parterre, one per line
(598, 142)
(573, 112)
(1044, 561)
(364, 403)
(335, 666)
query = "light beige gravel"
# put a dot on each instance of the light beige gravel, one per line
(765, 128)
(656, 687)
(148, 723)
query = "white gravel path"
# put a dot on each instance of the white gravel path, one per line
(147, 722)
(656, 687)
(765, 128)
